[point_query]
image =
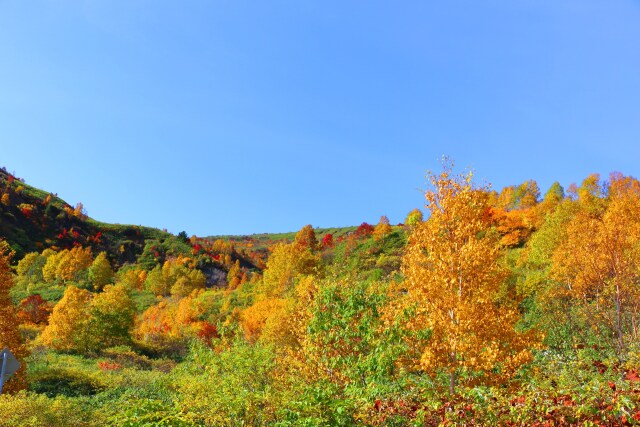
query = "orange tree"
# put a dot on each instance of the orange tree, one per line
(9, 335)
(596, 264)
(453, 279)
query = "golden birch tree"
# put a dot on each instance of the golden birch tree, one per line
(596, 264)
(453, 276)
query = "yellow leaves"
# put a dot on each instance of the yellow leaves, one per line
(114, 298)
(66, 323)
(286, 263)
(100, 272)
(234, 277)
(26, 262)
(255, 317)
(382, 229)
(33, 409)
(65, 265)
(596, 263)
(453, 275)
(133, 278)
(82, 321)
(177, 277)
(414, 217)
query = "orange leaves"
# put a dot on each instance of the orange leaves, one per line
(34, 309)
(632, 376)
(306, 238)
(255, 317)
(171, 320)
(514, 226)
(382, 229)
(9, 335)
(208, 332)
(596, 263)
(453, 276)
(105, 365)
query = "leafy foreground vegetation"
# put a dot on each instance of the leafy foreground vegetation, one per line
(497, 309)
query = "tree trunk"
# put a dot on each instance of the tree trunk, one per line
(452, 383)
(619, 324)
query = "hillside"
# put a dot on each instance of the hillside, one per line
(337, 326)
(32, 219)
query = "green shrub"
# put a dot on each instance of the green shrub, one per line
(27, 409)
(57, 381)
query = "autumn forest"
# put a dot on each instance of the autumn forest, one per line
(512, 306)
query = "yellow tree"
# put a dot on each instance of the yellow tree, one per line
(100, 272)
(68, 321)
(414, 217)
(51, 265)
(75, 261)
(177, 276)
(111, 318)
(255, 317)
(133, 278)
(597, 263)
(285, 264)
(382, 229)
(9, 335)
(67, 264)
(453, 278)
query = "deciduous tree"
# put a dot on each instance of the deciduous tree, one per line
(382, 229)
(34, 309)
(68, 321)
(414, 217)
(9, 335)
(100, 272)
(306, 238)
(111, 320)
(452, 280)
(597, 263)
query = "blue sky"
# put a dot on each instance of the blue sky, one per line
(221, 117)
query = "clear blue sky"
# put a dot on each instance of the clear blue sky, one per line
(235, 116)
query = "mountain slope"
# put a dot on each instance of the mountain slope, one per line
(32, 220)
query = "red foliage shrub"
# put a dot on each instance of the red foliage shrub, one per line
(364, 230)
(207, 332)
(34, 309)
(106, 365)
